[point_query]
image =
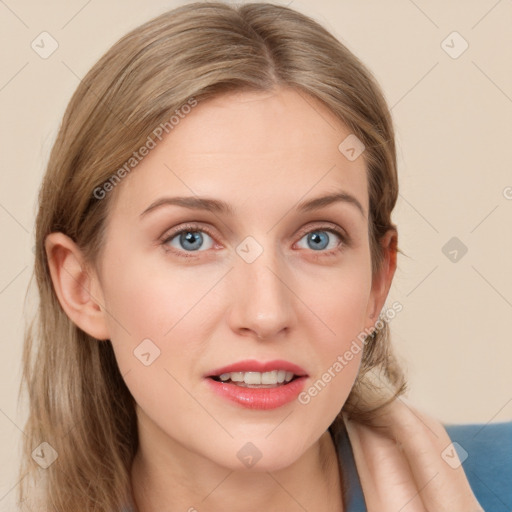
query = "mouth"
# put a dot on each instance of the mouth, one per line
(270, 379)
(253, 373)
(256, 385)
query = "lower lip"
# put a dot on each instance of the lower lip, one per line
(259, 398)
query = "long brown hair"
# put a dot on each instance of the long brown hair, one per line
(79, 403)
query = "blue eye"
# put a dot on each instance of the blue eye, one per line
(319, 239)
(188, 240)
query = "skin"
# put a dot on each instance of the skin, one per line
(262, 153)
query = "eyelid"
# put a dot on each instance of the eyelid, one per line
(188, 226)
(324, 226)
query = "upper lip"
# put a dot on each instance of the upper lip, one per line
(251, 365)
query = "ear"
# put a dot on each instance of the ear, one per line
(77, 287)
(382, 280)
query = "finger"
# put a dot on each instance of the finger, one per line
(443, 487)
(383, 471)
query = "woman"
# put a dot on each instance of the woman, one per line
(214, 250)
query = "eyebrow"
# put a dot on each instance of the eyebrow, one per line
(218, 206)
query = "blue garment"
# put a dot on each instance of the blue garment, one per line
(485, 451)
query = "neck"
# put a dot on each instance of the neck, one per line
(177, 479)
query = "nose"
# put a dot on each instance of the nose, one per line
(262, 297)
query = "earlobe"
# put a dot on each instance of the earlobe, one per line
(77, 287)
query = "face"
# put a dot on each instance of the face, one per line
(190, 289)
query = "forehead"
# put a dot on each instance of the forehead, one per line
(273, 148)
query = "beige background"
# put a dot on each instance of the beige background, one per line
(453, 123)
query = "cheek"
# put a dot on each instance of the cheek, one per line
(338, 302)
(157, 321)
(147, 301)
(152, 312)
(140, 306)
(339, 309)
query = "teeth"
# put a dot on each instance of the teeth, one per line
(269, 377)
(254, 378)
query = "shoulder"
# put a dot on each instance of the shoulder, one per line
(485, 451)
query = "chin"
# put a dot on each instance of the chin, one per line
(264, 453)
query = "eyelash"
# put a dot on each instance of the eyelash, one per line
(167, 237)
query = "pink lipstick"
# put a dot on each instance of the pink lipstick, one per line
(258, 385)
